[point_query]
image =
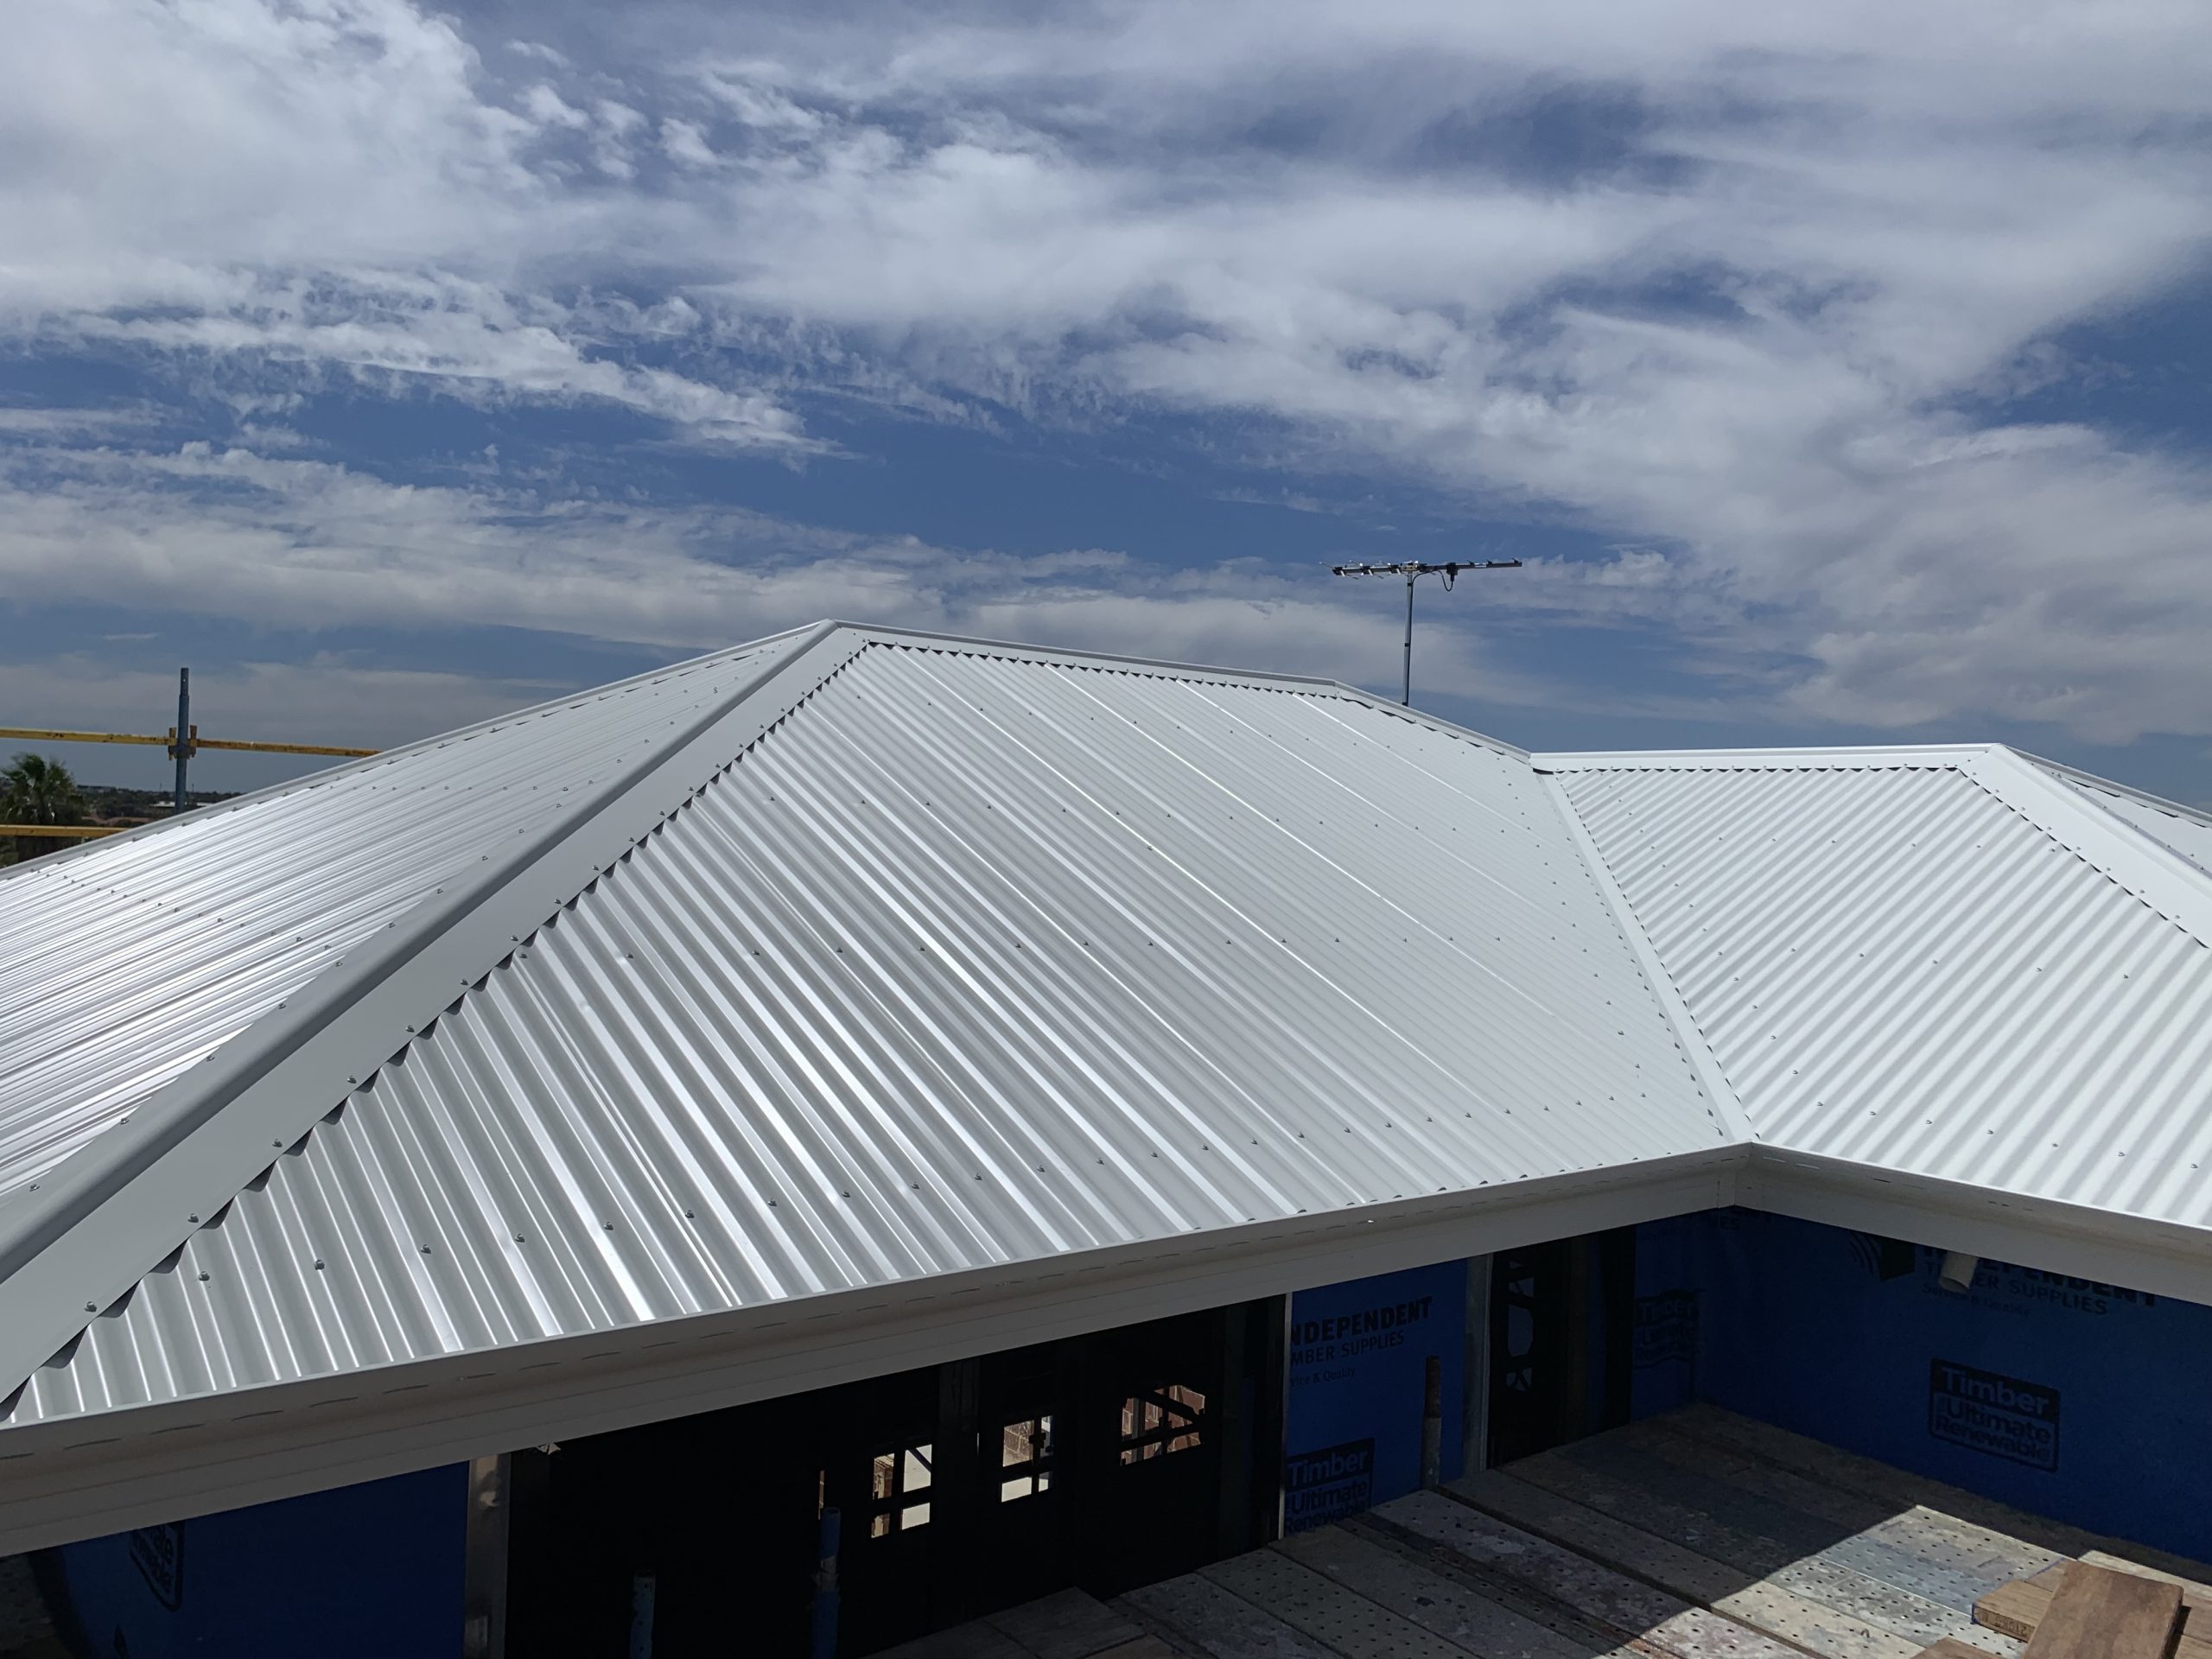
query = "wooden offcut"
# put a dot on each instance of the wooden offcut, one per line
(2196, 1599)
(2100, 1614)
(2017, 1609)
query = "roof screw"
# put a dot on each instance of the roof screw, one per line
(203, 1278)
(318, 1266)
(92, 1308)
(192, 1218)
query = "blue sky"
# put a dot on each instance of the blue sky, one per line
(1840, 377)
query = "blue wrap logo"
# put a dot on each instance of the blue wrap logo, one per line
(1666, 1329)
(2000, 1416)
(158, 1554)
(1319, 1487)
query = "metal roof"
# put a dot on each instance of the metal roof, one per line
(972, 960)
(1929, 964)
(2179, 829)
(776, 1017)
(126, 962)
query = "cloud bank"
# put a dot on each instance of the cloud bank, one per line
(1788, 301)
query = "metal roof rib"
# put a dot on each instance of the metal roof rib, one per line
(120, 973)
(865, 996)
(1968, 973)
(106, 1215)
(977, 960)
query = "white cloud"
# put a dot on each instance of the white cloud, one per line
(1731, 283)
(308, 545)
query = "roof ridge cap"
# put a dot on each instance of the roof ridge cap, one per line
(921, 639)
(78, 1191)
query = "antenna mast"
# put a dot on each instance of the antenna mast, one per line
(1413, 570)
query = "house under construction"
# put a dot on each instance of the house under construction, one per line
(855, 1133)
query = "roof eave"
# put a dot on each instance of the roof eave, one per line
(107, 1471)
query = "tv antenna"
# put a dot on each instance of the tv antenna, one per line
(1413, 570)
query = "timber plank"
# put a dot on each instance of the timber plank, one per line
(1891, 1607)
(1626, 1499)
(1848, 1470)
(2101, 1614)
(1762, 1536)
(967, 1642)
(1623, 1605)
(1443, 1606)
(1946, 1648)
(1201, 1617)
(1765, 1525)
(2016, 1608)
(2196, 1599)
(1944, 1539)
(1068, 1625)
(1780, 1609)
(1947, 1541)
(1343, 1622)
(1586, 1636)
(1579, 1527)
(1661, 1438)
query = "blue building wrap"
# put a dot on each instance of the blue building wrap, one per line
(2090, 1403)
(1358, 1363)
(365, 1571)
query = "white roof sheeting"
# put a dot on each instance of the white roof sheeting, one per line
(974, 961)
(126, 962)
(1897, 967)
(793, 1009)
(2179, 829)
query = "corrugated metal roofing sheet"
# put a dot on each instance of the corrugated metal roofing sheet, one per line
(1896, 966)
(124, 964)
(2173, 827)
(972, 959)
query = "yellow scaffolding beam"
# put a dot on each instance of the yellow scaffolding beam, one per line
(65, 831)
(35, 735)
(275, 748)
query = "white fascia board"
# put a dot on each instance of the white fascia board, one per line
(2161, 1257)
(85, 1477)
(106, 1216)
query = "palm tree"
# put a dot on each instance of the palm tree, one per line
(38, 790)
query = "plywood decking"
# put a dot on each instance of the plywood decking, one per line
(1694, 1536)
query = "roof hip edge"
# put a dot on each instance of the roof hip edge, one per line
(1704, 1064)
(2123, 851)
(349, 1005)
(323, 775)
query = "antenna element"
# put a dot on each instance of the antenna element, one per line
(1413, 570)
